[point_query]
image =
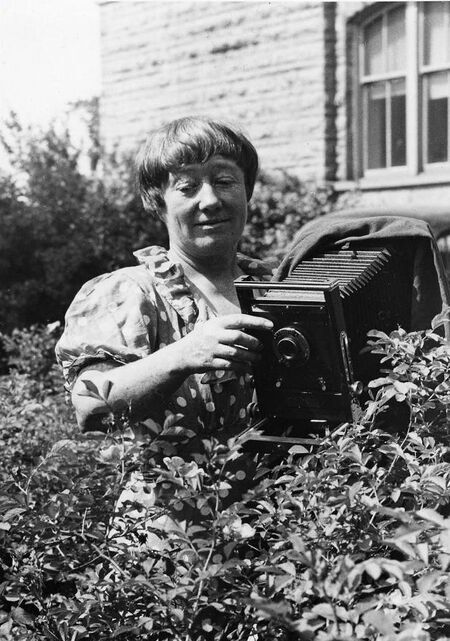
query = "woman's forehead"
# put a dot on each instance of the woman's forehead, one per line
(213, 163)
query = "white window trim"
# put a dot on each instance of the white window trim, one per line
(416, 171)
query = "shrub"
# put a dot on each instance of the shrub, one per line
(346, 539)
(60, 225)
(280, 205)
(33, 410)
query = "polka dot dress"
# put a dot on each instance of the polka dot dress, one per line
(135, 311)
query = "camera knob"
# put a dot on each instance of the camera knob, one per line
(291, 347)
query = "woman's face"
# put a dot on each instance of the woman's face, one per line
(206, 208)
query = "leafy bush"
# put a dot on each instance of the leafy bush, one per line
(31, 352)
(62, 226)
(345, 539)
(33, 410)
(280, 205)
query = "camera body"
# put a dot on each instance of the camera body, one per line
(314, 368)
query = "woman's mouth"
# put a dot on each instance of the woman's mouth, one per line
(212, 223)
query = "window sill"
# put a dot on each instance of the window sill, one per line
(394, 182)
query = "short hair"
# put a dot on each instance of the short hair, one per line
(189, 140)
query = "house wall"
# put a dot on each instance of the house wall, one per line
(282, 70)
(394, 191)
(260, 64)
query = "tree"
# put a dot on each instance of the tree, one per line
(62, 226)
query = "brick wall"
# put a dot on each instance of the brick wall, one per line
(260, 64)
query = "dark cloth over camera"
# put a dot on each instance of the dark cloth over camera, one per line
(429, 283)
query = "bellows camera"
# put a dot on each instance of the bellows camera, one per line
(314, 366)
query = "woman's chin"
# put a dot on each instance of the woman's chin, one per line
(214, 247)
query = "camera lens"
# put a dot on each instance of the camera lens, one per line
(291, 347)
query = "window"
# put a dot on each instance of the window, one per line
(435, 70)
(404, 89)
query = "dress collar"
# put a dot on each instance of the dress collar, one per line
(170, 280)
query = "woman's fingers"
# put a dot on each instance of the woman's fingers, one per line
(235, 326)
(226, 364)
(245, 321)
(238, 353)
(225, 342)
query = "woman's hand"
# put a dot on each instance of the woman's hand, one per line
(144, 385)
(222, 343)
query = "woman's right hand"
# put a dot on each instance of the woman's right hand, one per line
(143, 386)
(222, 343)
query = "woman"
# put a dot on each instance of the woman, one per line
(169, 334)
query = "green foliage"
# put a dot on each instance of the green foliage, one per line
(280, 205)
(33, 411)
(130, 535)
(31, 352)
(61, 225)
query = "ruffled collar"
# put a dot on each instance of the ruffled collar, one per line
(170, 280)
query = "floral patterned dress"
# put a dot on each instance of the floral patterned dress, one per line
(134, 311)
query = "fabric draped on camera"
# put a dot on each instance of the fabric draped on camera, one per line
(341, 278)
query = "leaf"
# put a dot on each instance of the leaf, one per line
(124, 628)
(13, 512)
(427, 514)
(177, 430)
(91, 389)
(22, 616)
(324, 610)
(378, 382)
(288, 567)
(423, 552)
(375, 333)
(111, 454)
(382, 621)
(371, 409)
(63, 444)
(354, 454)
(298, 449)
(172, 419)
(444, 537)
(273, 608)
(106, 388)
(435, 480)
(404, 388)
(373, 569)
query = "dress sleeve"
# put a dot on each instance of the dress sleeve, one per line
(112, 318)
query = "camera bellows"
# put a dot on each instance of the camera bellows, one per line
(314, 363)
(353, 269)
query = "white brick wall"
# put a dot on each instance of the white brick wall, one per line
(260, 64)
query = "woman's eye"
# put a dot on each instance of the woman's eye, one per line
(224, 180)
(187, 188)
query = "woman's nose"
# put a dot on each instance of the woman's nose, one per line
(207, 196)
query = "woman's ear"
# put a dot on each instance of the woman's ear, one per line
(161, 211)
(154, 205)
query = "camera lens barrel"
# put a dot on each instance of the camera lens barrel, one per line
(291, 346)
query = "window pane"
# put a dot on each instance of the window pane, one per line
(376, 126)
(396, 46)
(398, 123)
(373, 49)
(437, 125)
(436, 33)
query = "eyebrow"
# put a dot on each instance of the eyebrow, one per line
(221, 163)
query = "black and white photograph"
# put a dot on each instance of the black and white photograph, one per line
(224, 320)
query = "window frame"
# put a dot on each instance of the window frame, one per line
(415, 75)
